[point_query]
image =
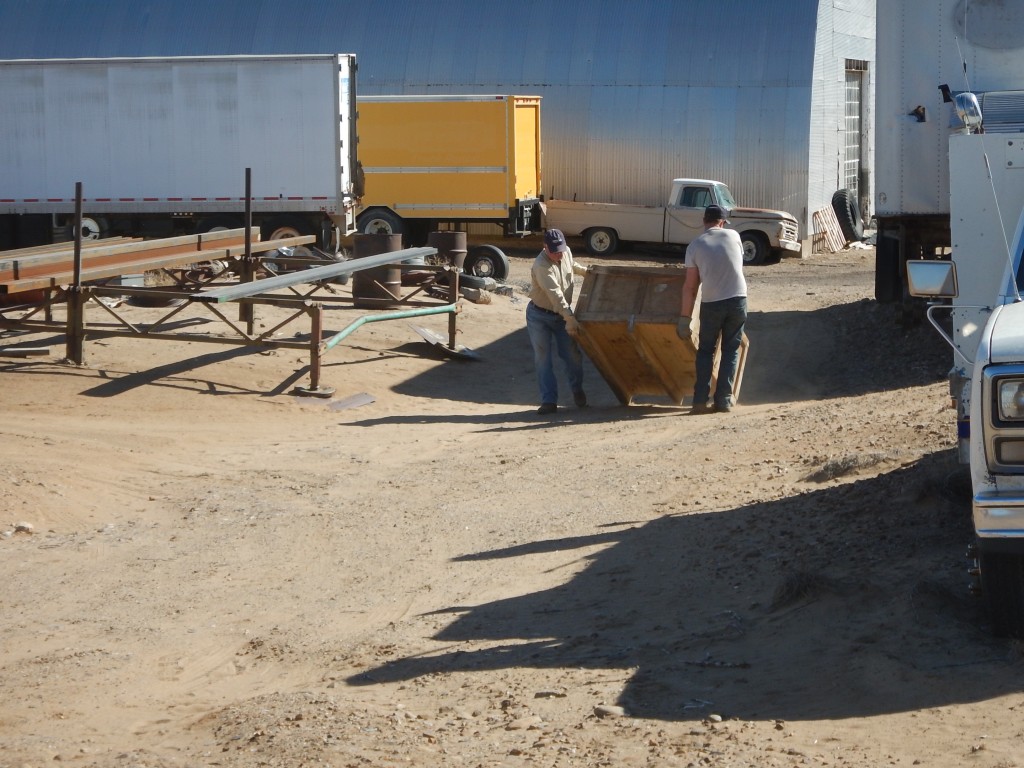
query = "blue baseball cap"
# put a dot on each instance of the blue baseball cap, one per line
(714, 213)
(554, 241)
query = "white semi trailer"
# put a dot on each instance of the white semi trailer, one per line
(923, 45)
(161, 145)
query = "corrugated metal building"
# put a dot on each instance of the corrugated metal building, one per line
(774, 98)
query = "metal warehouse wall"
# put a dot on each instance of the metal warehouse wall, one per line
(846, 30)
(634, 93)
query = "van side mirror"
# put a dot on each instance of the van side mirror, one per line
(932, 279)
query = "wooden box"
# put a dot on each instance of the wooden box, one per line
(628, 321)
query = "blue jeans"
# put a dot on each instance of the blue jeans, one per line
(548, 334)
(726, 319)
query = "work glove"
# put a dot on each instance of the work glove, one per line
(572, 325)
(683, 328)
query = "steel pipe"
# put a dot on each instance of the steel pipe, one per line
(400, 315)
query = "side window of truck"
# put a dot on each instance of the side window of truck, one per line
(695, 197)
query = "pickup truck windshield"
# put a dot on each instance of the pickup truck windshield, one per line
(725, 196)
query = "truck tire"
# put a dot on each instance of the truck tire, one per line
(379, 221)
(486, 261)
(755, 248)
(93, 228)
(288, 226)
(219, 222)
(844, 203)
(1002, 584)
(285, 226)
(600, 241)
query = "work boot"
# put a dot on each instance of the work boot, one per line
(547, 408)
(580, 398)
(699, 409)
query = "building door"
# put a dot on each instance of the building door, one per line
(855, 72)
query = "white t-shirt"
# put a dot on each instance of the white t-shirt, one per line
(718, 255)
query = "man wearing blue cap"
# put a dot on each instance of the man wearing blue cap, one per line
(714, 262)
(550, 322)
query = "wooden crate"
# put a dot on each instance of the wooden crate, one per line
(628, 319)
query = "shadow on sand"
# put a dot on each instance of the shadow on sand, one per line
(842, 602)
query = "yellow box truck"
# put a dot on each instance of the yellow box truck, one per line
(453, 160)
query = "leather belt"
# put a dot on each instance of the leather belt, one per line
(548, 311)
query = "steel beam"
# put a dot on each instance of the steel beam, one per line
(245, 290)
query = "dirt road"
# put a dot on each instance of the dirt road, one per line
(220, 573)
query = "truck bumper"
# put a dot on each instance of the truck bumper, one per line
(789, 245)
(999, 521)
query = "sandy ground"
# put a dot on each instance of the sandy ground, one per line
(220, 573)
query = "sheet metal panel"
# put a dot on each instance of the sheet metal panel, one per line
(634, 94)
(922, 44)
(122, 127)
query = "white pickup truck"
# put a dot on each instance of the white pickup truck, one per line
(604, 225)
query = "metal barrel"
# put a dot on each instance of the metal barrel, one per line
(451, 247)
(377, 287)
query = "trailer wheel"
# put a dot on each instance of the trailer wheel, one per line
(1002, 583)
(600, 241)
(288, 226)
(93, 228)
(844, 203)
(755, 248)
(379, 221)
(219, 223)
(486, 261)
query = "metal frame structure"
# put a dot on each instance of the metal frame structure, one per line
(33, 281)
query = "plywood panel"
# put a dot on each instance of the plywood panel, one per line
(628, 319)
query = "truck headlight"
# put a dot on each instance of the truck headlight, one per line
(1010, 399)
(1002, 422)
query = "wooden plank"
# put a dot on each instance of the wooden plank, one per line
(56, 279)
(676, 374)
(596, 351)
(38, 250)
(131, 257)
(835, 232)
(98, 249)
(828, 235)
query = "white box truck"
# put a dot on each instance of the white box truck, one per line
(923, 50)
(984, 280)
(161, 145)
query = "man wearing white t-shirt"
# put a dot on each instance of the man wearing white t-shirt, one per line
(715, 264)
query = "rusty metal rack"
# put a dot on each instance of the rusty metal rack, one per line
(206, 271)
